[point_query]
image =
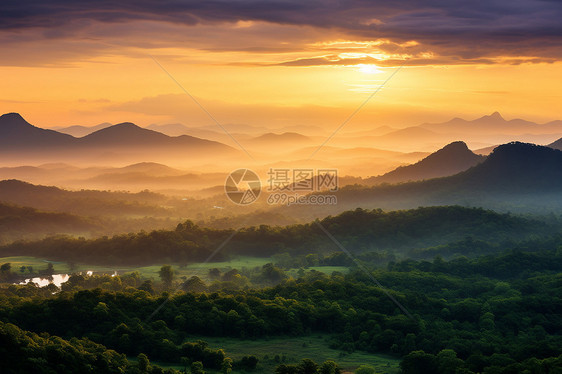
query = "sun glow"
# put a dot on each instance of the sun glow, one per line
(368, 69)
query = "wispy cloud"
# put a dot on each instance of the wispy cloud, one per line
(453, 32)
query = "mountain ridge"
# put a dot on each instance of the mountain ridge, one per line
(454, 158)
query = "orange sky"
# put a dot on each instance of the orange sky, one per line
(262, 72)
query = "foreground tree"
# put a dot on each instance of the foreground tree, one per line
(166, 274)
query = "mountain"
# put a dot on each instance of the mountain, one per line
(485, 151)
(556, 145)
(268, 139)
(516, 176)
(124, 142)
(16, 133)
(494, 124)
(82, 202)
(516, 168)
(79, 131)
(276, 144)
(449, 160)
(172, 129)
(27, 223)
(130, 135)
(152, 168)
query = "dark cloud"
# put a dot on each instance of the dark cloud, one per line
(464, 30)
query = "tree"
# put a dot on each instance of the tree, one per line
(226, 367)
(329, 367)
(214, 273)
(247, 363)
(50, 269)
(197, 368)
(365, 369)
(147, 286)
(307, 366)
(418, 362)
(195, 284)
(5, 268)
(166, 275)
(143, 363)
(286, 369)
(447, 361)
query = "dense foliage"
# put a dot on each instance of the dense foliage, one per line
(359, 230)
(490, 314)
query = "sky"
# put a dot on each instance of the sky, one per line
(276, 63)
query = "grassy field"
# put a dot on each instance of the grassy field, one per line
(294, 349)
(145, 271)
(201, 269)
(151, 272)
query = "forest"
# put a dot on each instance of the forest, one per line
(496, 311)
(416, 232)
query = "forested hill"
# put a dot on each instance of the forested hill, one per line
(515, 177)
(23, 222)
(358, 230)
(449, 160)
(83, 202)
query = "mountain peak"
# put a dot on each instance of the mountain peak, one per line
(494, 116)
(13, 120)
(451, 159)
(125, 125)
(125, 128)
(455, 146)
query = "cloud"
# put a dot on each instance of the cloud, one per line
(520, 30)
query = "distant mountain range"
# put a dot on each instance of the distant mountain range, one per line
(121, 140)
(79, 131)
(495, 124)
(451, 159)
(478, 133)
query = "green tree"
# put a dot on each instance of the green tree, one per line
(197, 368)
(365, 369)
(185, 362)
(329, 367)
(143, 363)
(307, 366)
(50, 269)
(195, 284)
(166, 274)
(447, 361)
(5, 268)
(226, 366)
(418, 362)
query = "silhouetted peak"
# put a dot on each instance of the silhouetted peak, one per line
(13, 120)
(450, 154)
(125, 125)
(515, 151)
(121, 128)
(458, 146)
(494, 116)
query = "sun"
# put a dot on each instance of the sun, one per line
(368, 69)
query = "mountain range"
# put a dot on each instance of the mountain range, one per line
(449, 160)
(516, 176)
(124, 142)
